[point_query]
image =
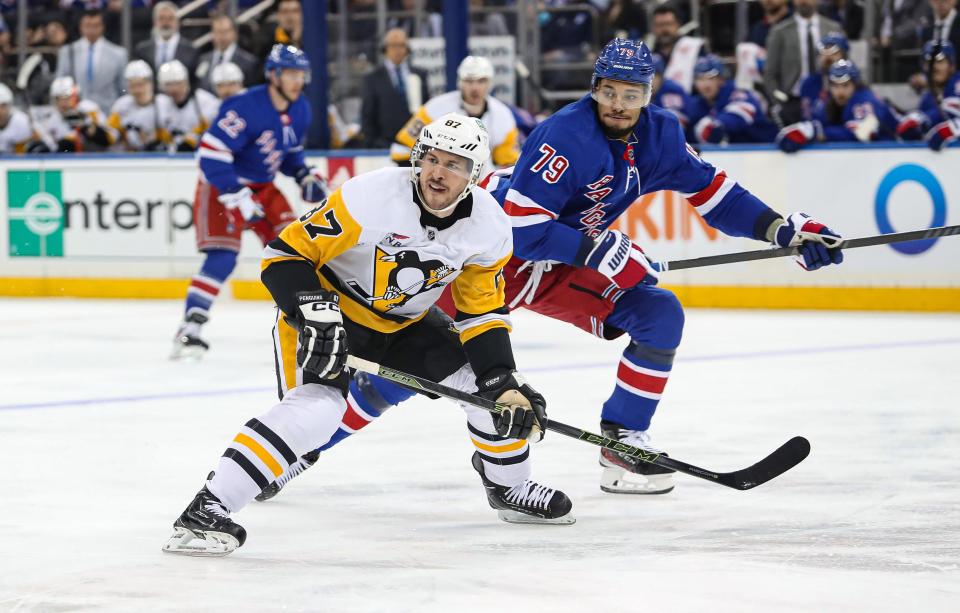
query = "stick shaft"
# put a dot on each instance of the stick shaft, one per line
(853, 243)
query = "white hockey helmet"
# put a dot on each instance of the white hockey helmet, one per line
(172, 72)
(226, 72)
(6, 96)
(63, 87)
(474, 67)
(457, 134)
(138, 69)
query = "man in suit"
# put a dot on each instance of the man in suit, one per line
(95, 63)
(944, 24)
(391, 92)
(224, 35)
(165, 44)
(792, 55)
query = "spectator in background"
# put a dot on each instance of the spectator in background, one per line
(165, 43)
(848, 13)
(791, 56)
(943, 24)
(667, 93)
(93, 62)
(136, 119)
(665, 26)
(391, 92)
(720, 113)
(832, 48)
(625, 19)
(227, 80)
(71, 124)
(223, 32)
(39, 69)
(937, 120)
(289, 29)
(192, 111)
(774, 11)
(15, 129)
(850, 113)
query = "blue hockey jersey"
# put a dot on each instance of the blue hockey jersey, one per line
(811, 90)
(671, 96)
(861, 105)
(738, 110)
(572, 182)
(250, 141)
(949, 107)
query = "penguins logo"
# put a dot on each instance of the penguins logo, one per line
(401, 276)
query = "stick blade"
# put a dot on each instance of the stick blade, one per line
(780, 461)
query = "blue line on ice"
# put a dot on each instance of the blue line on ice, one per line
(749, 355)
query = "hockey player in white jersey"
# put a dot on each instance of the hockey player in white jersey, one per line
(227, 80)
(472, 98)
(363, 271)
(15, 129)
(192, 111)
(70, 124)
(136, 118)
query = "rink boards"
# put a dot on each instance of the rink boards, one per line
(120, 226)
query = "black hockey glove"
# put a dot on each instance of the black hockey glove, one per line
(323, 340)
(526, 414)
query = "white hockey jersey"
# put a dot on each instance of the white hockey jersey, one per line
(14, 135)
(188, 122)
(133, 127)
(368, 245)
(497, 118)
(52, 127)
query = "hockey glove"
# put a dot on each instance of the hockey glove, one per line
(710, 130)
(795, 136)
(244, 201)
(322, 346)
(913, 125)
(313, 188)
(525, 415)
(817, 242)
(619, 259)
(943, 134)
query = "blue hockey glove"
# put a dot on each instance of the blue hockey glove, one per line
(795, 136)
(913, 125)
(313, 187)
(943, 134)
(619, 259)
(710, 130)
(817, 242)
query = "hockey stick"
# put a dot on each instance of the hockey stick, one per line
(780, 461)
(763, 254)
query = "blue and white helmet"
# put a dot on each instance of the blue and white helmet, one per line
(945, 52)
(286, 56)
(624, 60)
(833, 42)
(709, 66)
(843, 71)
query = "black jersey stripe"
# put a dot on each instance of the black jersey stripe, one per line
(273, 439)
(496, 438)
(247, 467)
(506, 461)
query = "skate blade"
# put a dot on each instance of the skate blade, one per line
(515, 517)
(616, 480)
(187, 352)
(211, 544)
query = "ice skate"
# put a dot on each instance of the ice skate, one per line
(205, 529)
(527, 503)
(306, 461)
(187, 344)
(623, 474)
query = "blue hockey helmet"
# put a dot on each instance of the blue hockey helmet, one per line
(945, 52)
(709, 66)
(286, 56)
(624, 60)
(843, 71)
(659, 66)
(833, 42)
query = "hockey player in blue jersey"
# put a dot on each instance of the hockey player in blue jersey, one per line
(667, 93)
(832, 48)
(851, 113)
(256, 134)
(578, 172)
(937, 120)
(719, 112)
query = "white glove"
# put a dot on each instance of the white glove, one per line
(243, 200)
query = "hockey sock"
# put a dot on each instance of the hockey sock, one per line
(266, 446)
(368, 398)
(205, 286)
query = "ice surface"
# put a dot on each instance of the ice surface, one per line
(103, 442)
